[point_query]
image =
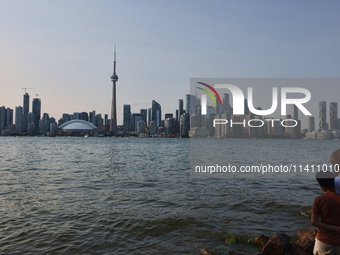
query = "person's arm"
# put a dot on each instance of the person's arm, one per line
(317, 223)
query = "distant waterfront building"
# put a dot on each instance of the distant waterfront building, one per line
(322, 115)
(31, 129)
(60, 122)
(153, 128)
(42, 128)
(169, 125)
(18, 119)
(66, 117)
(53, 129)
(333, 111)
(30, 118)
(46, 121)
(168, 115)
(135, 118)
(246, 108)
(218, 106)
(98, 122)
(36, 109)
(149, 116)
(9, 117)
(25, 112)
(140, 128)
(2, 118)
(185, 124)
(180, 108)
(224, 129)
(226, 104)
(294, 112)
(190, 104)
(156, 113)
(127, 117)
(85, 116)
(145, 115)
(311, 124)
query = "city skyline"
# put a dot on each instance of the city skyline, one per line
(68, 61)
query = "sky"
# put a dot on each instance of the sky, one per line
(63, 50)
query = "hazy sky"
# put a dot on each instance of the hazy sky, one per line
(63, 49)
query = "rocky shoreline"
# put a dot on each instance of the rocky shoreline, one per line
(278, 244)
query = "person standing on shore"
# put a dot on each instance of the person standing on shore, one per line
(325, 216)
(335, 159)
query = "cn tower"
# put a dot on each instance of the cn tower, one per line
(114, 79)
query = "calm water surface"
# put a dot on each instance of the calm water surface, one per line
(135, 196)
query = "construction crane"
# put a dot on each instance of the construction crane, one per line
(26, 88)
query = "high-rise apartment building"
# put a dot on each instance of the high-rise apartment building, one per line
(311, 124)
(333, 112)
(294, 112)
(322, 115)
(226, 104)
(190, 104)
(135, 118)
(156, 113)
(36, 108)
(127, 117)
(25, 112)
(180, 108)
(2, 118)
(9, 117)
(144, 112)
(18, 119)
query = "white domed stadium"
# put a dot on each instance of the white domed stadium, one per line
(77, 127)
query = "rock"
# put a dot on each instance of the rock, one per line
(261, 241)
(309, 233)
(204, 252)
(296, 249)
(232, 239)
(307, 245)
(257, 253)
(277, 244)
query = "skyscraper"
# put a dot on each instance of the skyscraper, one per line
(226, 104)
(9, 116)
(190, 104)
(144, 112)
(180, 108)
(294, 111)
(333, 111)
(218, 106)
(36, 108)
(311, 124)
(114, 79)
(149, 116)
(26, 109)
(156, 113)
(322, 115)
(2, 118)
(127, 117)
(18, 119)
(246, 108)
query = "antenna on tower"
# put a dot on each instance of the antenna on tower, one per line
(26, 88)
(114, 59)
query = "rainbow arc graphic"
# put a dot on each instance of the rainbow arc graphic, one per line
(209, 93)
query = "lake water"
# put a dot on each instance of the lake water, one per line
(136, 196)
